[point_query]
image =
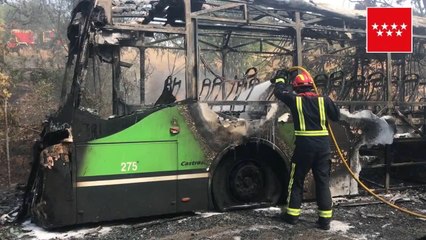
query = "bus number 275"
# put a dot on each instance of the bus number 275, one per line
(129, 166)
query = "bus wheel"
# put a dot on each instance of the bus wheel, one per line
(245, 182)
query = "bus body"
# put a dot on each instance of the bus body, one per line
(210, 149)
(152, 163)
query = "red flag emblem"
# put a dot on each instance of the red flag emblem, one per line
(389, 30)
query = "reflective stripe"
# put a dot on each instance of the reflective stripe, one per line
(280, 80)
(301, 77)
(311, 133)
(325, 214)
(322, 112)
(290, 183)
(293, 211)
(141, 180)
(300, 113)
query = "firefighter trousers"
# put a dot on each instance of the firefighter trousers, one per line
(302, 161)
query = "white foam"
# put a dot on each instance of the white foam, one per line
(258, 227)
(269, 209)
(183, 220)
(254, 94)
(284, 118)
(375, 130)
(207, 214)
(338, 226)
(35, 232)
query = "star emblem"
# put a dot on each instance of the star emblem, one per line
(388, 29)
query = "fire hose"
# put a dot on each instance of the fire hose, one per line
(345, 162)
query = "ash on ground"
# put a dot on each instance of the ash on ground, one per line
(360, 217)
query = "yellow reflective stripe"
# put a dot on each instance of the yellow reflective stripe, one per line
(300, 113)
(322, 112)
(280, 80)
(311, 133)
(290, 183)
(293, 211)
(326, 213)
(301, 77)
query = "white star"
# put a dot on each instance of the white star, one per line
(403, 26)
(398, 33)
(375, 26)
(389, 33)
(379, 33)
(384, 26)
(394, 26)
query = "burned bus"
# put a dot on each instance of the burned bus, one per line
(167, 108)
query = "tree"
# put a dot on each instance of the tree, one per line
(419, 7)
(38, 15)
(5, 95)
(5, 84)
(33, 77)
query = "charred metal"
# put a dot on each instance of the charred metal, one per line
(243, 134)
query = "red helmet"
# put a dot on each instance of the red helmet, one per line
(303, 80)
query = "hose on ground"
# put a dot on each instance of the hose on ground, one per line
(345, 162)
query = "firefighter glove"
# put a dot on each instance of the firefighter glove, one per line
(280, 80)
(280, 76)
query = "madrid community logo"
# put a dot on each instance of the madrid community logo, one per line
(389, 30)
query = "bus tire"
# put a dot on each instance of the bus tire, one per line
(241, 181)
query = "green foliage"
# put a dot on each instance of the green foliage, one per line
(37, 14)
(2, 14)
(5, 84)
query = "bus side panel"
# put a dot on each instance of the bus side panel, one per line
(110, 159)
(56, 203)
(126, 180)
(106, 203)
(116, 156)
(193, 194)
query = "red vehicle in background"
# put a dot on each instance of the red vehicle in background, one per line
(49, 36)
(21, 38)
(49, 39)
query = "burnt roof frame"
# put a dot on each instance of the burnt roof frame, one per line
(252, 14)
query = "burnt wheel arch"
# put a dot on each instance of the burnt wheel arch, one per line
(249, 175)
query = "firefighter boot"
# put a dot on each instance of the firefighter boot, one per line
(289, 219)
(323, 223)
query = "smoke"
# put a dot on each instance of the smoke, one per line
(373, 130)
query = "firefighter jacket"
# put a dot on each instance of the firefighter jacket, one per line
(310, 113)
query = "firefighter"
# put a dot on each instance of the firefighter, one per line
(312, 144)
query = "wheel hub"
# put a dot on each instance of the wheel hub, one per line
(247, 182)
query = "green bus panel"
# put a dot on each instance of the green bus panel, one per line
(149, 143)
(128, 158)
